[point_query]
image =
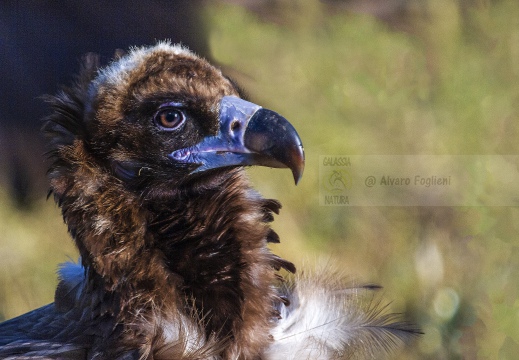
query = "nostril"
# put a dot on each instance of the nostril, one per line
(235, 125)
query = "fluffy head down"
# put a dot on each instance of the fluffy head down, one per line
(159, 242)
(106, 120)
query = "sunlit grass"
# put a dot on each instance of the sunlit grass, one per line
(32, 244)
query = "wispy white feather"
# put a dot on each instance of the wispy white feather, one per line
(329, 319)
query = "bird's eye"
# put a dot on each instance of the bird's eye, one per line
(169, 118)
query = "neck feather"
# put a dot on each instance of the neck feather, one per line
(201, 252)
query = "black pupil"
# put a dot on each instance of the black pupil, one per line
(170, 118)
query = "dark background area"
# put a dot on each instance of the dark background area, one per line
(42, 43)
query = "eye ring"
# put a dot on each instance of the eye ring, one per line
(169, 118)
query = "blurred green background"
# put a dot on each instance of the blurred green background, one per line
(442, 78)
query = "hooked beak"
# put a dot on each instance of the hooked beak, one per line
(248, 135)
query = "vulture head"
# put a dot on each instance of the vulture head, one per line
(147, 166)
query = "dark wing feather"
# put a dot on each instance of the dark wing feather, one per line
(27, 337)
(65, 329)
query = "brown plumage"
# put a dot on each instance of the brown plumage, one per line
(147, 158)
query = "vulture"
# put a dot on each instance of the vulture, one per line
(147, 160)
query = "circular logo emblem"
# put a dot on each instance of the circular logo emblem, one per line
(336, 180)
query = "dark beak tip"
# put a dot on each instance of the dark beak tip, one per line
(297, 177)
(298, 165)
(275, 142)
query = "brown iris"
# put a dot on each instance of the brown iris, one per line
(169, 118)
